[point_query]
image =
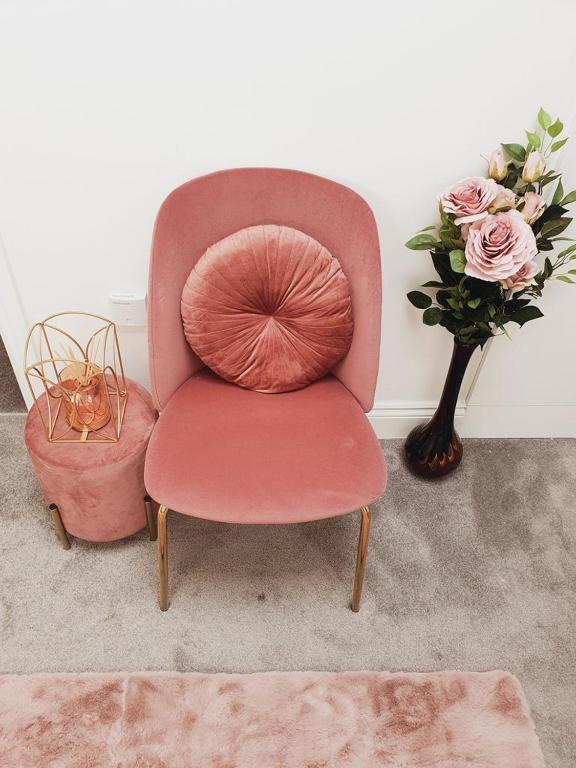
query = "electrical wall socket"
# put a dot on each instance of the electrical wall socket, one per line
(128, 308)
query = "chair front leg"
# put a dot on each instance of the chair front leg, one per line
(163, 556)
(361, 558)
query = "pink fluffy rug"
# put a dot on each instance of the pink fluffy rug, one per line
(269, 720)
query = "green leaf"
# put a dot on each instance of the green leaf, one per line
(442, 297)
(513, 304)
(564, 278)
(570, 198)
(453, 303)
(473, 303)
(449, 237)
(515, 151)
(556, 128)
(419, 299)
(432, 316)
(525, 314)
(432, 284)
(442, 266)
(421, 242)
(567, 250)
(544, 245)
(457, 260)
(558, 144)
(554, 227)
(511, 178)
(572, 271)
(534, 139)
(547, 178)
(544, 119)
(427, 229)
(558, 194)
(443, 215)
(552, 212)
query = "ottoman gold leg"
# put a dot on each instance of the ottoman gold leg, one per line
(150, 519)
(59, 526)
(163, 556)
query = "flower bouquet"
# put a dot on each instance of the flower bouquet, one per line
(485, 251)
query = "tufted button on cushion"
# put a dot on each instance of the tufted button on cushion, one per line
(268, 308)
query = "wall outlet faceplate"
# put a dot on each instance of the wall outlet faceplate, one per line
(128, 308)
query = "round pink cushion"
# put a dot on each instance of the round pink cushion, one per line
(268, 308)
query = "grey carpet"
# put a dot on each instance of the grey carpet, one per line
(474, 573)
(10, 396)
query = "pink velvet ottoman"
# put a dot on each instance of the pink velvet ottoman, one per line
(95, 491)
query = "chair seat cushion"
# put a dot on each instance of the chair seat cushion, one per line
(268, 308)
(225, 453)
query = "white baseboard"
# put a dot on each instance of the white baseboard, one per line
(395, 419)
(519, 421)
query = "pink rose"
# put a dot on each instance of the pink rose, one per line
(534, 167)
(534, 205)
(504, 200)
(498, 245)
(522, 279)
(497, 165)
(469, 199)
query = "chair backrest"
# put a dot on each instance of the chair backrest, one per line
(206, 209)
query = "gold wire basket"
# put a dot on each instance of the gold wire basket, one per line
(80, 392)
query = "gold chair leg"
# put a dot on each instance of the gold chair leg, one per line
(59, 526)
(150, 519)
(163, 556)
(361, 558)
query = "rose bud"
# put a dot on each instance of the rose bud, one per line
(504, 200)
(534, 205)
(522, 279)
(534, 167)
(497, 165)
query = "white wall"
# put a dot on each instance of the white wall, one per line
(108, 106)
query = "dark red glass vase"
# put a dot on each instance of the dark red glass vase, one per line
(434, 449)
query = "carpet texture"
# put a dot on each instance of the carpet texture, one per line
(271, 720)
(11, 399)
(474, 572)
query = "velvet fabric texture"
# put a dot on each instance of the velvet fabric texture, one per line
(207, 209)
(268, 308)
(98, 487)
(267, 720)
(226, 453)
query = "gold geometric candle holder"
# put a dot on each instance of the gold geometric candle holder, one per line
(80, 391)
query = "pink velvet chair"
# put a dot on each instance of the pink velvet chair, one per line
(229, 454)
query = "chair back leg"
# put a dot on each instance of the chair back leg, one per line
(163, 556)
(150, 518)
(361, 558)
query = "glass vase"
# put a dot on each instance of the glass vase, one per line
(87, 403)
(435, 449)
